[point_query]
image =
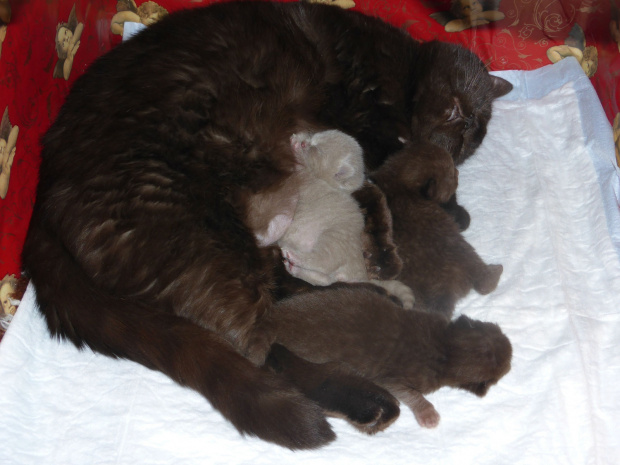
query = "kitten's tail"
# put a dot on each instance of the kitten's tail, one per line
(256, 401)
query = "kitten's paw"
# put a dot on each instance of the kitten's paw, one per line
(440, 189)
(462, 217)
(422, 409)
(427, 416)
(399, 290)
(456, 211)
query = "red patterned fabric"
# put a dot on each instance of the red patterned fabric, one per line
(519, 35)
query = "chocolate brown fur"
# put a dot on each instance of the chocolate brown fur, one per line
(439, 265)
(137, 244)
(408, 353)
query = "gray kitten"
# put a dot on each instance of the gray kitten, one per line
(322, 242)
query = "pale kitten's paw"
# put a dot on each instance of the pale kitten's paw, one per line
(427, 416)
(399, 290)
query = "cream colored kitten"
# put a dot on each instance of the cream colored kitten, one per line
(323, 243)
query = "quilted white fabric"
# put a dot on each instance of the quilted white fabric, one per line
(543, 195)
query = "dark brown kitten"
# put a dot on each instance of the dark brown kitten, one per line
(408, 353)
(137, 245)
(439, 265)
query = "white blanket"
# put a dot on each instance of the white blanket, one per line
(534, 193)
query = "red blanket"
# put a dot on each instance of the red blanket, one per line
(48, 43)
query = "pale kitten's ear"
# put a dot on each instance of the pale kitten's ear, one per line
(345, 170)
(500, 86)
(350, 173)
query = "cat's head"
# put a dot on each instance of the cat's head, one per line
(478, 355)
(452, 100)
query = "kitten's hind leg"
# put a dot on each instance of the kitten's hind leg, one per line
(422, 409)
(368, 407)
(487, 279)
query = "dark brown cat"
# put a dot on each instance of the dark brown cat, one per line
(439, 265)
(408, 353)
(137, 246)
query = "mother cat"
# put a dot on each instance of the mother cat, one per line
(137, 245)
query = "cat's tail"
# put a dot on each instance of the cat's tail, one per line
(256, 401)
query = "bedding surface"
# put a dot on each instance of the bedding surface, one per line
(35, 78)
(538, 191)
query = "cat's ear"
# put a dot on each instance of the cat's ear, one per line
(500, 86)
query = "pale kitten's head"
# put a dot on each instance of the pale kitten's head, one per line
(332, 156)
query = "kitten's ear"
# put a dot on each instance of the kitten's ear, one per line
(350, 174)
(500, 86)
(345, 171)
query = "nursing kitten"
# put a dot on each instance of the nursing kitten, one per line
(408, 353)
(137, 245)
(439, 265)
(270, 213)
(323, 241)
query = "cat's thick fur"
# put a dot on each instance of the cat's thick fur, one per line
(439, 265)
(409, 353)
(137, 245)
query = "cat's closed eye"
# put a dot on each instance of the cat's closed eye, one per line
(454, 114)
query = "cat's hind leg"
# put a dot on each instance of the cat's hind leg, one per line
(368, 407)
(256, 401)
